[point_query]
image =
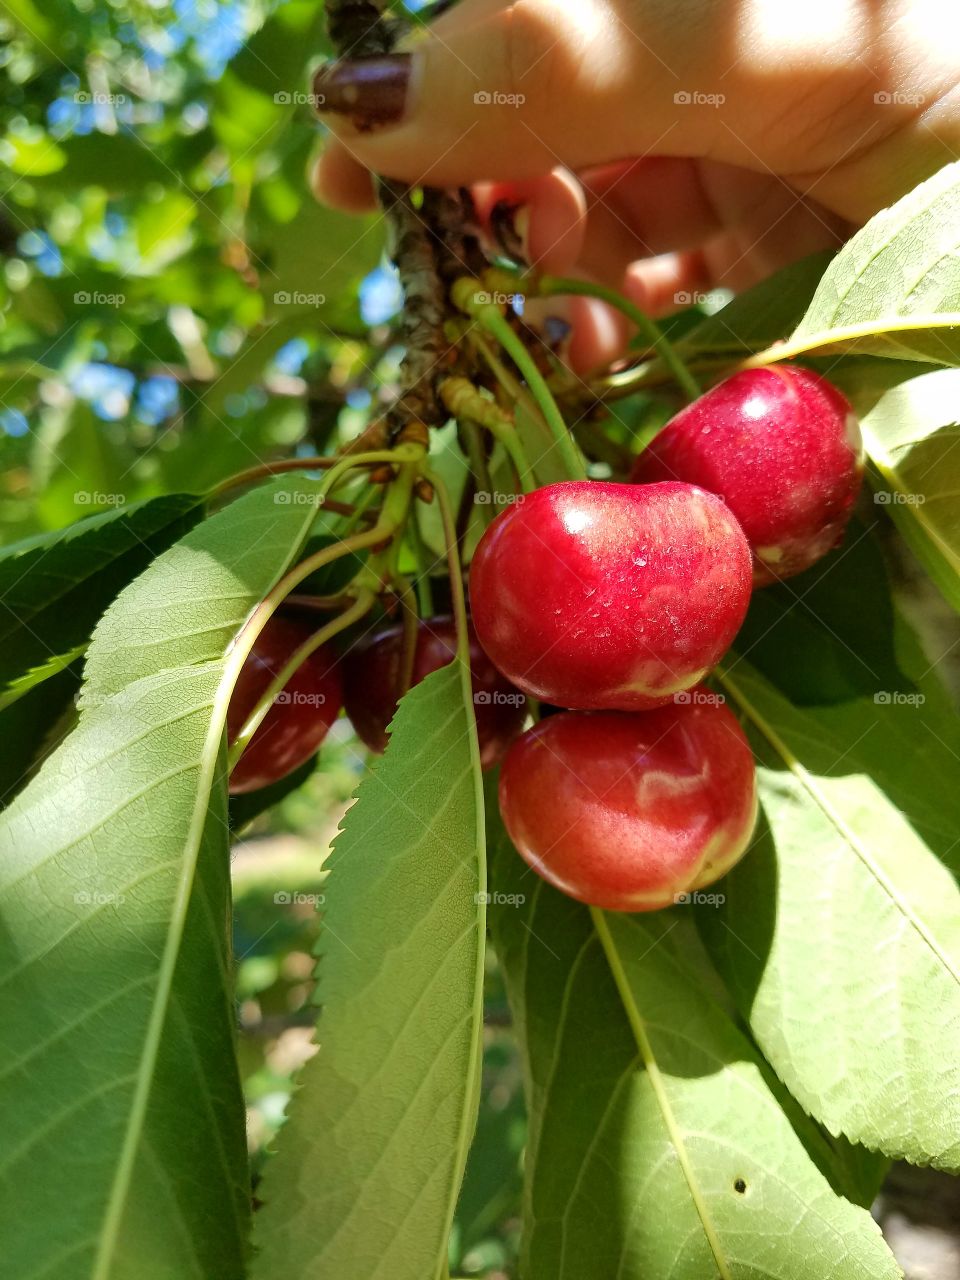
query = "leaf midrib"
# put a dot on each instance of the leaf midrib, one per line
(652, 1068)
(806, 780)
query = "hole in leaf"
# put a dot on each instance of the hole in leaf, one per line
(739, 1186)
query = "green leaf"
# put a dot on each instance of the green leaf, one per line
(53, 588)
(761, 315)
(894, 289)
(911, 436)
(124, 1148)
(812, 635)
(659, 1148)
(840, 931)
(370, 1161)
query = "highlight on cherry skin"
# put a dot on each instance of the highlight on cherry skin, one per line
(626, 811)
(602, 596)
(299, 719)
(373, 675)
(782, 447)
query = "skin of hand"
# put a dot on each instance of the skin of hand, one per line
(664, 147)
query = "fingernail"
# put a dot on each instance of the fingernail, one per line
(370, 92)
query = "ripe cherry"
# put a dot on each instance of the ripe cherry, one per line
(300, 718)
(626, 812)
(782, 447)
(373, 675)
(610, 596)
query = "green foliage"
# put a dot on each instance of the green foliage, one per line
(867, 303)
(658, 1144)
(53, 588)
(393, 1088)
(124, 1116)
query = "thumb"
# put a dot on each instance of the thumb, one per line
(492, 90)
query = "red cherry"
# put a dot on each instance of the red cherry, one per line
(626, 812)
(372, 677)
(782, 447)
(298, 721)
(610, 596)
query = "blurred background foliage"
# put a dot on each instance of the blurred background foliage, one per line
(175, 307)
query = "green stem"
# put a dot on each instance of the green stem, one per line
(420, 551)
(458, 599)
(361, 606)
(498, 327)
(552, 286)
(518, 456)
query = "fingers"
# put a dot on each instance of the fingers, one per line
(548, 216)
(339, 180)
(496, 91)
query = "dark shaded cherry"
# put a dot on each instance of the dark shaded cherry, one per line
(300, 718)
(782, 447)
(610, 596)
(372, 679)
(627, 811)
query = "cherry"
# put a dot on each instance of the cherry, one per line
(300, 718)
(782, 447)
(627, 811)
(610, 596)
(372, 679)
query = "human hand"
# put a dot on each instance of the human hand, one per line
(664, 147)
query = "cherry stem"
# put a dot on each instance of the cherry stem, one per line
(334, 466)
(471, 300)
(362, 605)
(420, 552)
(408, 654)
(457, 597)
(552, 286)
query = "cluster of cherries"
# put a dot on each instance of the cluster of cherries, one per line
(609, 603)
